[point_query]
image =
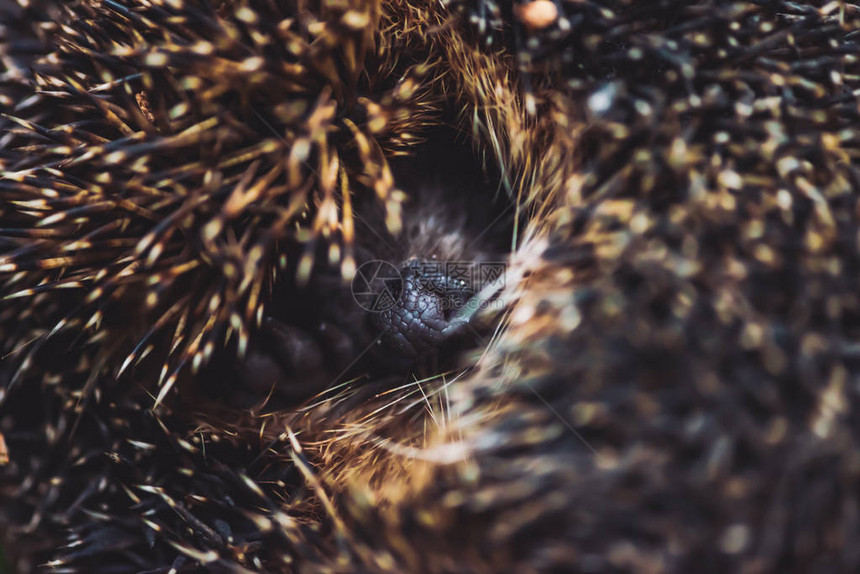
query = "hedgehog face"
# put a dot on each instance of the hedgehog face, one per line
(406, 310)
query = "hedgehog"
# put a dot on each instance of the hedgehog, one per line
(665, 380)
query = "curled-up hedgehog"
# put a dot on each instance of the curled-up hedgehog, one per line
(663, 379)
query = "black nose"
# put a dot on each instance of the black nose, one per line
(426, 296)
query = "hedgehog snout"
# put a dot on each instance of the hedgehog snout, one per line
(418, 322)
